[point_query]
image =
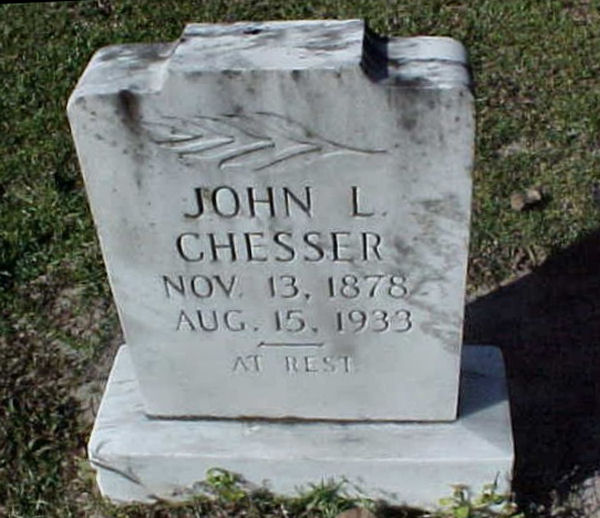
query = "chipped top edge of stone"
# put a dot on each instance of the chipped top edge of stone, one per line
(440, 48)
(253, 28)
(420, 61)
(399, 49)
(411, 47)
(417, 61)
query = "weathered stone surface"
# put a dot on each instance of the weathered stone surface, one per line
(283, 209)
(142, 459)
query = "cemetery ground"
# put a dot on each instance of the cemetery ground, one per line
(534, 262)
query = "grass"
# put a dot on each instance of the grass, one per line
(538, 113)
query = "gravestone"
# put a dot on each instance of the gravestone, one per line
(283, 210)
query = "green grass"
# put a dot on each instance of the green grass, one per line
(538, 113)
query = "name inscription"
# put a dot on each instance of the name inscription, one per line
(280, 246)
(347, 303)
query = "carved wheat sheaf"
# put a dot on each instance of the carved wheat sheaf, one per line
(256, 141)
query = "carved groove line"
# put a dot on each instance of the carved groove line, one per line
(257, 141)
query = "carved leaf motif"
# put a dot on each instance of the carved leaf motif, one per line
(257, 141)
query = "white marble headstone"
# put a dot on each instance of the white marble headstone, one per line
(283, 209)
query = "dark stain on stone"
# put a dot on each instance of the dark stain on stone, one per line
(446, 332)
(138, 51)
(431, 104)
(97, 136)
(231, 73)
(403, 249)
(296, 75)
(252, 31)
(129, 109)
(447, 207)
(138, 174)
(111, 53)
(409, 123)
(324, 46)
(413, 82)
(329, 41)
(349, 438)
(263, 37)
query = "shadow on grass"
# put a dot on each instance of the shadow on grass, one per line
(548, 327)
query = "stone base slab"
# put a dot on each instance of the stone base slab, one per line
(142, 459)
